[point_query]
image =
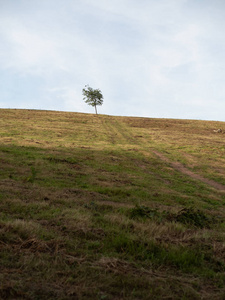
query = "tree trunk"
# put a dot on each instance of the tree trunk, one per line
(96, 110)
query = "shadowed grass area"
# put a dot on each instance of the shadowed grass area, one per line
(88, 211)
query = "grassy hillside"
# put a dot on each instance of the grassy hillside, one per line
(102, 207)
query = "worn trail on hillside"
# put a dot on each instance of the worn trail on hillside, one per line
(118, 132)
(121, 133)
(179, 167)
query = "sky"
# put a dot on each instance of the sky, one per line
(149, 58)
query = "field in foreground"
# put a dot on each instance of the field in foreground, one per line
(102, 207)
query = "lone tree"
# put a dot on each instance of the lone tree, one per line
(92, 97)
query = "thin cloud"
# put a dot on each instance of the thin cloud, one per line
(149, 58)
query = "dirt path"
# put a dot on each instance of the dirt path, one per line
(117, 131)
(179, 167)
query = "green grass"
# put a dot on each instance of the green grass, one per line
(88, 211)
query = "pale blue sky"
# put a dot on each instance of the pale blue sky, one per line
(151, 58)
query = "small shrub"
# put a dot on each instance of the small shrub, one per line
(189, 216)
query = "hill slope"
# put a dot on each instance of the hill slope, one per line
(102, 207)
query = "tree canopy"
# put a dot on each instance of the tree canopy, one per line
(92, 97)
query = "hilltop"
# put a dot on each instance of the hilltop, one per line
(105, 207)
